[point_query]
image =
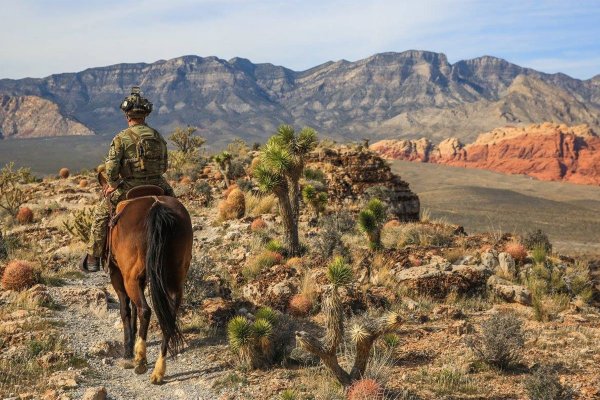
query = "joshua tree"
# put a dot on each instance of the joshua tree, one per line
(280, 166)
(185, 140)
(316, 200)
(363, 334)
(370, 221)
(223, 161)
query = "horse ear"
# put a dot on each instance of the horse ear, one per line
(102, 180)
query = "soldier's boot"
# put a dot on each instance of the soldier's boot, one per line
(89, 263)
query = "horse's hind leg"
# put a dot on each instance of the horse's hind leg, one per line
(144, 313)
(124, 306)
(161, 365)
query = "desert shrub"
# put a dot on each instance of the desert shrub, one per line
(370, 221)
(258, 225)
(24, 215)
(314, 175)
(501, 341)
(203, 190)
(186, 142)
(422, 234)
(544, 384)
(547, 306)
(300, 305)
(392, 223)
(538, 238)
(258, 263)
(234, 206)
(288, 394)
(449, 380)
(3, 250)
(194, 289)
(18, 275)
(455, 254)
(244, 184)
(253, 341)
(365, 389)
(577, 278)
(315, 199)
(83, 183)
(391, 340)
(11, 195)
(539, 254)
(516, 250)
(64, 173)
(80, 223)
(329, 241)
(548, 287)
(275, 246)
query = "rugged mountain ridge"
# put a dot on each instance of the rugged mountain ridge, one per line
(33, 116)
(411, 94)
(546, 151)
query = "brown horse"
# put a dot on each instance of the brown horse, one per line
(150, 243)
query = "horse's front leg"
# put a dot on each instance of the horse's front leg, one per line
(144, 312)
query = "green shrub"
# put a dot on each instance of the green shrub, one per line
(501, 341)
(544, 384)
(314, 175)
(11, 195)
(262, 261)
(538, 238)
(275, 246)
(80, 223)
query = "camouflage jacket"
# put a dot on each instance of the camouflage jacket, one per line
(138, 153)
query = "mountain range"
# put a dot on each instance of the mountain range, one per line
(411, 94)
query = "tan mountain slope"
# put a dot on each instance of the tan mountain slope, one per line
(33, 116)
(548, 151)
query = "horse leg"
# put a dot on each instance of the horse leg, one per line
(161, 365)
(125, 310)
(144, 312)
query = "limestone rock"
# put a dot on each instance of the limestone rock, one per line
(88, 296)
(436, 282)
(351, 171)
(508, 291)
(95, 393)
(506, 264)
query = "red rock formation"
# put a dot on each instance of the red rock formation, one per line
(546, 151)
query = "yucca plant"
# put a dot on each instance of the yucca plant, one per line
(253, 341)
(315, 199)
(223, 161)
(371, 220)
(241, 339)
(278, 171)
(363, 334)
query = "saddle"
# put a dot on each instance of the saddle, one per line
(144, 191)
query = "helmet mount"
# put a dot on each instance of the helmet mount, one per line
(136, 106)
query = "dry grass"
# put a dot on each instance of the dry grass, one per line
(259, 205)
(421, 234)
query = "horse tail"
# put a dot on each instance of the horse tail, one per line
(161, 224)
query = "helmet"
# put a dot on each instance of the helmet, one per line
(136, 106)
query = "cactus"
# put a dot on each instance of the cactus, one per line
(223, 161)
(83, 183)
(24, 216)
(234, 206)
(300, 305)
(79, 226)
(253, 341)
(363, 334)
(370, 221)
(11, 195)
(365, 389)
(18, 275)
(64, 173)
(258, 225)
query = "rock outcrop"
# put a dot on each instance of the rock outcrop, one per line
(547, 151)
(351, 171)
(32, 116)
(410, 93)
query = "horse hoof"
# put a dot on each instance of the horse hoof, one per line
(126, 364)
(156, 379)
(141, 368)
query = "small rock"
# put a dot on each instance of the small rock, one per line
(95, 393)
(106, 348)
(508, 291)
(489, 259)
(506, 264)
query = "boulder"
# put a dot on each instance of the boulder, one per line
(437, 282)
(508, 291)
(506, 265)
(489, 259)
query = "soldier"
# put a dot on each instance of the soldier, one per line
(137, 156)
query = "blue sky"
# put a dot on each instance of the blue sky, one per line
(38, 38)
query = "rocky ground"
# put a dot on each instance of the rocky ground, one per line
(61, 339)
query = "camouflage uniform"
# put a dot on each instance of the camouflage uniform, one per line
(126, 169)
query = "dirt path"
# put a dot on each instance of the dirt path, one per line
(90, 323)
